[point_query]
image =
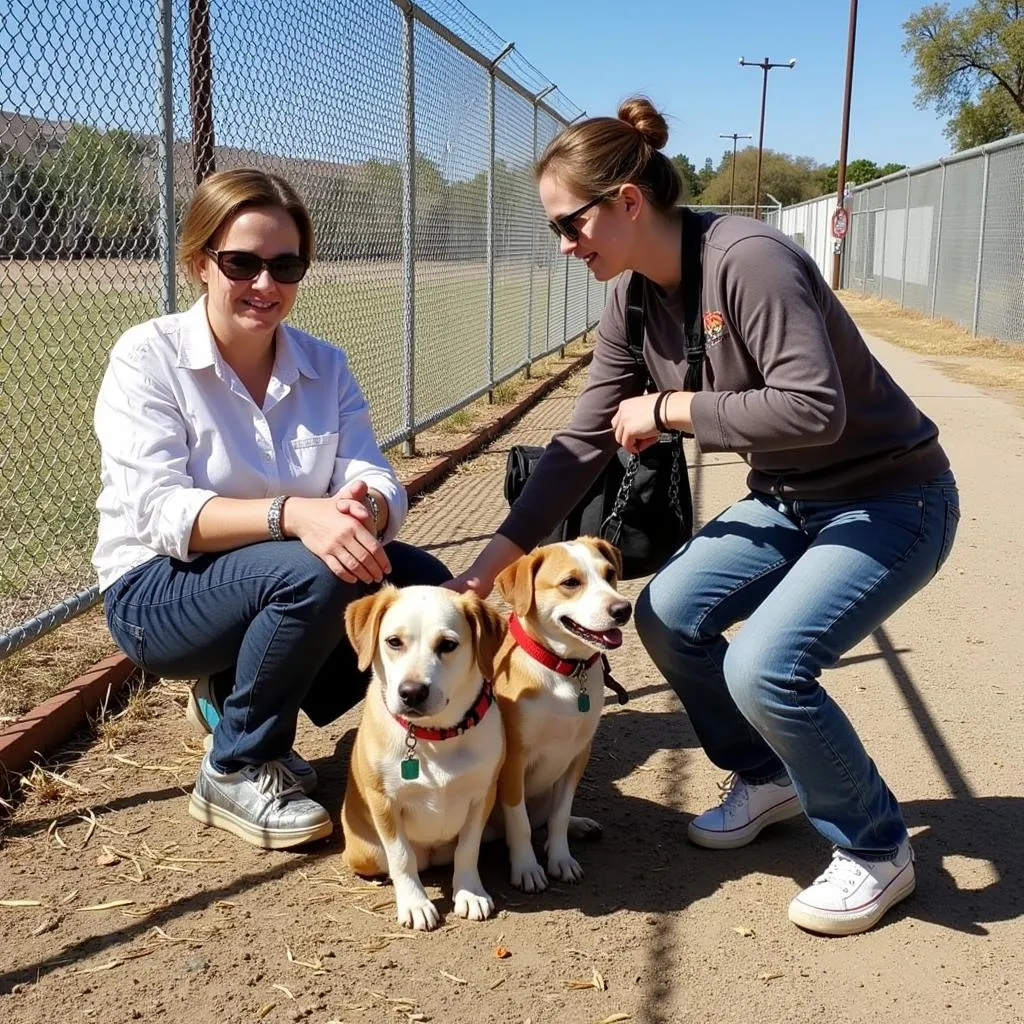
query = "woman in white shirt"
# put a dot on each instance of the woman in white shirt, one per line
(244, 503)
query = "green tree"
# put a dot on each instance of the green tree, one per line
(790, 179)
(858, 172)
(970, 65)
(93, 196)
(692, 184)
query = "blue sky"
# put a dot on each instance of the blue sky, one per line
(684, 53)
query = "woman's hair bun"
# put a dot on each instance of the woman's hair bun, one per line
(639, 113)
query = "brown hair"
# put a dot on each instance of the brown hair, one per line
(226, 193)
(601, 153)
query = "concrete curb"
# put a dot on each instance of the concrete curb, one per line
(50, 724)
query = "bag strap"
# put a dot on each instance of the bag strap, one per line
(636, 321)
(693, 314)
(692, 309)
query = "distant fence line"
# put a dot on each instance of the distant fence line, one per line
(410, 130)
(945, 238)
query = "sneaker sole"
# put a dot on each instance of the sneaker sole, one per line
(851, 922)
(268, 839)
(194, 717)
(738, 837)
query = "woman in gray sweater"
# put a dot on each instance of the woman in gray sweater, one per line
(851, 509)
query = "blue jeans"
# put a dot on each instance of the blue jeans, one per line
(811, 579)
(266, 623)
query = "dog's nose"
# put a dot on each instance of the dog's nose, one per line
(620, 612)
(413, 694)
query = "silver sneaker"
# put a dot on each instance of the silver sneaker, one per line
(261, 804)
(203, 714)
(744, 810)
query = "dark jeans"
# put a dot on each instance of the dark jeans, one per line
(266, 623)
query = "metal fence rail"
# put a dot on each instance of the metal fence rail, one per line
(409, 129)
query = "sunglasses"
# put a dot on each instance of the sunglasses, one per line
(238, 265)
(565, 227)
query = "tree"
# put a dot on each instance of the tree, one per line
(970, 65)
(789, 179)
(858, 172)
(691, 179)
(97, 204)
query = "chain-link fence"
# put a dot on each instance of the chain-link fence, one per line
(410, 131)
(946, 239)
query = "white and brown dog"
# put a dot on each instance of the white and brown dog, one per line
(424, 768)
(549, 680)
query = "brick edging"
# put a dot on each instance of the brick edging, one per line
(51, 723)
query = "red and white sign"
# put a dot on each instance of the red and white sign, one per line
(840, 222)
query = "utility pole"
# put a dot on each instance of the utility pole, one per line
(732, 186)
(844, 138)
(765, 65)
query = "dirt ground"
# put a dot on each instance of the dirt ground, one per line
(115, 906)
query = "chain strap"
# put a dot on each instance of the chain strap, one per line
(614, 517)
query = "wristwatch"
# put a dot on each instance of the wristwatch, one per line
(374, 506)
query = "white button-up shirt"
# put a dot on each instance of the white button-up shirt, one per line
(177, 427)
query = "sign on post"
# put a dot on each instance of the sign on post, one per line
(840, 222)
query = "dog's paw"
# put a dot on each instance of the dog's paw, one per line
(529, 876)
(584, 828)
(473, 906)
(565, 868)
(422, 916)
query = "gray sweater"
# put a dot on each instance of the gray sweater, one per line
(789, 384)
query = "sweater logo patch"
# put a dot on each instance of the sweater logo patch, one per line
(714, 323)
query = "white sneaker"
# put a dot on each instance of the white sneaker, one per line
(745, 810)
(853, 894)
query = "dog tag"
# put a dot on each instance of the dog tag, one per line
(411, 768)
(583, 702)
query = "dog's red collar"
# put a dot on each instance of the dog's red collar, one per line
(473, 717)
(563, 666)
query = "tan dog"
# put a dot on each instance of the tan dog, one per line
(424, 768)
(550, 686)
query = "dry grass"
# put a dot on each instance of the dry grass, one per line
(986, 362)
(38, 671)
(138, 705)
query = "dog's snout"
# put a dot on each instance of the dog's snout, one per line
(620, 612)
(413, 693)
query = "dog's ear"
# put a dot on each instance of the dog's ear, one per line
(488, 629)
(515, 583)
(362, 622)
(609, 551)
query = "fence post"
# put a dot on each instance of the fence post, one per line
(533, 249)
(165, 156)
(938, 240)
(885, 238)
(906, 235)
(409, 230)
(490, 215)
(981, 247)
(565, 311)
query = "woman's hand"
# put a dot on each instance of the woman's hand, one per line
(633, 423)
(480, 576)
(335, 530)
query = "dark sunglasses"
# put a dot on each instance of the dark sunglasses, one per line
(246, 266)
(565, 227)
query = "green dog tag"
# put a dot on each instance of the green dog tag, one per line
(411, 768)
(583, 702)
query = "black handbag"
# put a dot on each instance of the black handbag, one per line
(640, 503)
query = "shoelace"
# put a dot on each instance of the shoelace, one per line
(732, 791)
(842, 871)
(274, 780)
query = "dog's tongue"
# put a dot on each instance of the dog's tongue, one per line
(612, 638)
